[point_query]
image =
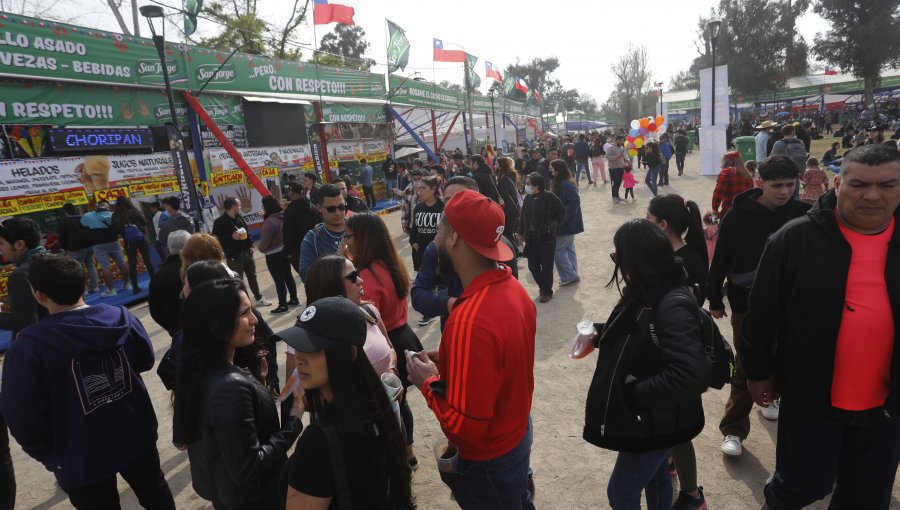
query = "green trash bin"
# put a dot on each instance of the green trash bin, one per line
(691, 134)
(746, 147)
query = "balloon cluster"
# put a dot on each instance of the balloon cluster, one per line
(641, 128)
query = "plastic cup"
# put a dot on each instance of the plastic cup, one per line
(242, 233)
(585, 327)
(446, 455)
(392, 385)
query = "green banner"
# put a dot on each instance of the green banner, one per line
(398, 48)
(424, 94)
(28, 102)
(37, 48)
(513, 107)
(474, 79)
(370, 114)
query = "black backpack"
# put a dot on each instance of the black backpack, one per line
(718, 350)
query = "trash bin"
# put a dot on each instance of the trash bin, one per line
(746, 147)
(690, 136)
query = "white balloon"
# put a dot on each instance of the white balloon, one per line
(635, 124)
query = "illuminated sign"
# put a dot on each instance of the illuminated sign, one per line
(67, 140)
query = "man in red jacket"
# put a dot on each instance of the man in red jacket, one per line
(481, 389)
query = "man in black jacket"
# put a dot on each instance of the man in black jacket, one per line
(299, 218)
(484, 176)
(77, 241)
(822, 331)
(543, 166)
(756, 213)
(232, 232)
(165, 286)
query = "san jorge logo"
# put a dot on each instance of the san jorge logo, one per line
(150, 68)
(213, 74)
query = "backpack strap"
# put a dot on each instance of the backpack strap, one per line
(338, 468)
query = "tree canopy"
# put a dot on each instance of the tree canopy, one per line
(348, 44)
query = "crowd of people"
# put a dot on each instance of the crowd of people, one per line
(820, 355)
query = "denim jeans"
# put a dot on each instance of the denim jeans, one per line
(86, 257)
(390, 184)
(857, 450)
(582, 165)
(566, 259)
(103, 252)
(500, 483)
(635, 472)
(652, 174)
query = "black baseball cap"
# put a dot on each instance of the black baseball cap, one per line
(327, 321)
(296, 187)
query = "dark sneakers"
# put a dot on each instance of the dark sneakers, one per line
(281, 309)
(687, 502)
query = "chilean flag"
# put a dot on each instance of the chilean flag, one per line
(455, 53)
(521, 86)
(830, 72)
(492, 72)
(333, 11)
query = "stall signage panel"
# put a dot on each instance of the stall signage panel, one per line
(64, 140)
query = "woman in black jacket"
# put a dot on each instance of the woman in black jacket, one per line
(651, 369)
(129, 223)
(507, 186)
(223, 414)
(542, 213)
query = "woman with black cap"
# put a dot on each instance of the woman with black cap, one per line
(353, 453)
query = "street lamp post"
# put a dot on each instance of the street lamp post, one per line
(189, 199)
(659, 92)
(491, 93)
(713, 28)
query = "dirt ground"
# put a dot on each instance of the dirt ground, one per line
(569, 473)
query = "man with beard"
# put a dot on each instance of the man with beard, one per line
(481, 391)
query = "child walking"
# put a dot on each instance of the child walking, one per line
(629, 182)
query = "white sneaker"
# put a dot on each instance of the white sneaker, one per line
(263, 302)
(771, 412)
(731, 446)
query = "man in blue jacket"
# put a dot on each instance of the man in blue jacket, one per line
(325, 238)
(366, 176)
(73, 395)
(582, 154)
(666, 149)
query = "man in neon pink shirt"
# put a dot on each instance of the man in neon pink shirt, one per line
(830, 346)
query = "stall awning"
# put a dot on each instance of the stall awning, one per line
(262, 99)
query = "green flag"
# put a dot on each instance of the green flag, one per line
(191, 9)
(398, 47)
(474, 79)
(509, 84)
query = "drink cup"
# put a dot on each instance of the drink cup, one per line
(392, 385)
(447, 456)
(242, 233)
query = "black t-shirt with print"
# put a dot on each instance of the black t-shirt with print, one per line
(424, 225)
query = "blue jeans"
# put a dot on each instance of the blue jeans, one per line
(635, 472)
(112, 249)
(566, 259)
(652, 174)
(86, 257)
(582, 164)
(390, 184)
(500, 483)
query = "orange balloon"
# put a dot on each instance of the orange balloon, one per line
(645, 123)
(660, 120)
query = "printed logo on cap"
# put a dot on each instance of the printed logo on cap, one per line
(308, 314)
(499, 233)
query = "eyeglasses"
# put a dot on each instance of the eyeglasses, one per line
(353, 276)
(332, 208)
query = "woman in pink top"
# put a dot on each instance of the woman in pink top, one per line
(333, 275)
(815, 182)
(386, 284)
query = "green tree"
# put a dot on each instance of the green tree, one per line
(864, 38)
(684, 80)
(537, 72)
(349, 44)
(245, 29)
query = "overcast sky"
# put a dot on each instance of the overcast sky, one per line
(586, 35)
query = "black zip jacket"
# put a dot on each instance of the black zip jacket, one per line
(507, 188)
(742, 237)
(792, 325)
(73, 235)
(487, 185)
(300, 217)
(540, 211)
(223, 227)
(238, 458)
(645, 393)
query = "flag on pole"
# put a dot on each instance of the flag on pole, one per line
(509, 85)
(398, 47)
(537, 96)
(191, 9)
(491, 71)
(474, 79)
(448, 52)
(333, 11)
(521, 86)
(830, 72)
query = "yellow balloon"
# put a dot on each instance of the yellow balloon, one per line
(638, 142)
(632, 152)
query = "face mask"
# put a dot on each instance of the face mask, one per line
(528, 189)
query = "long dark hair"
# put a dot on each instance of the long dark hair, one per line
(125, 214)
(360, 411)
(372, 244)
(562, 174)
(270, 206)
(208, 318)
(682, 216)
(645, 262)
(325, 278)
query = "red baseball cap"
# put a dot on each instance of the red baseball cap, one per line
(479, 222)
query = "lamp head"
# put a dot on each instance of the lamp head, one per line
(713, 28)
(154, 14)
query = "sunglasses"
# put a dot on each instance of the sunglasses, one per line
(332, 208)
(353, 277)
